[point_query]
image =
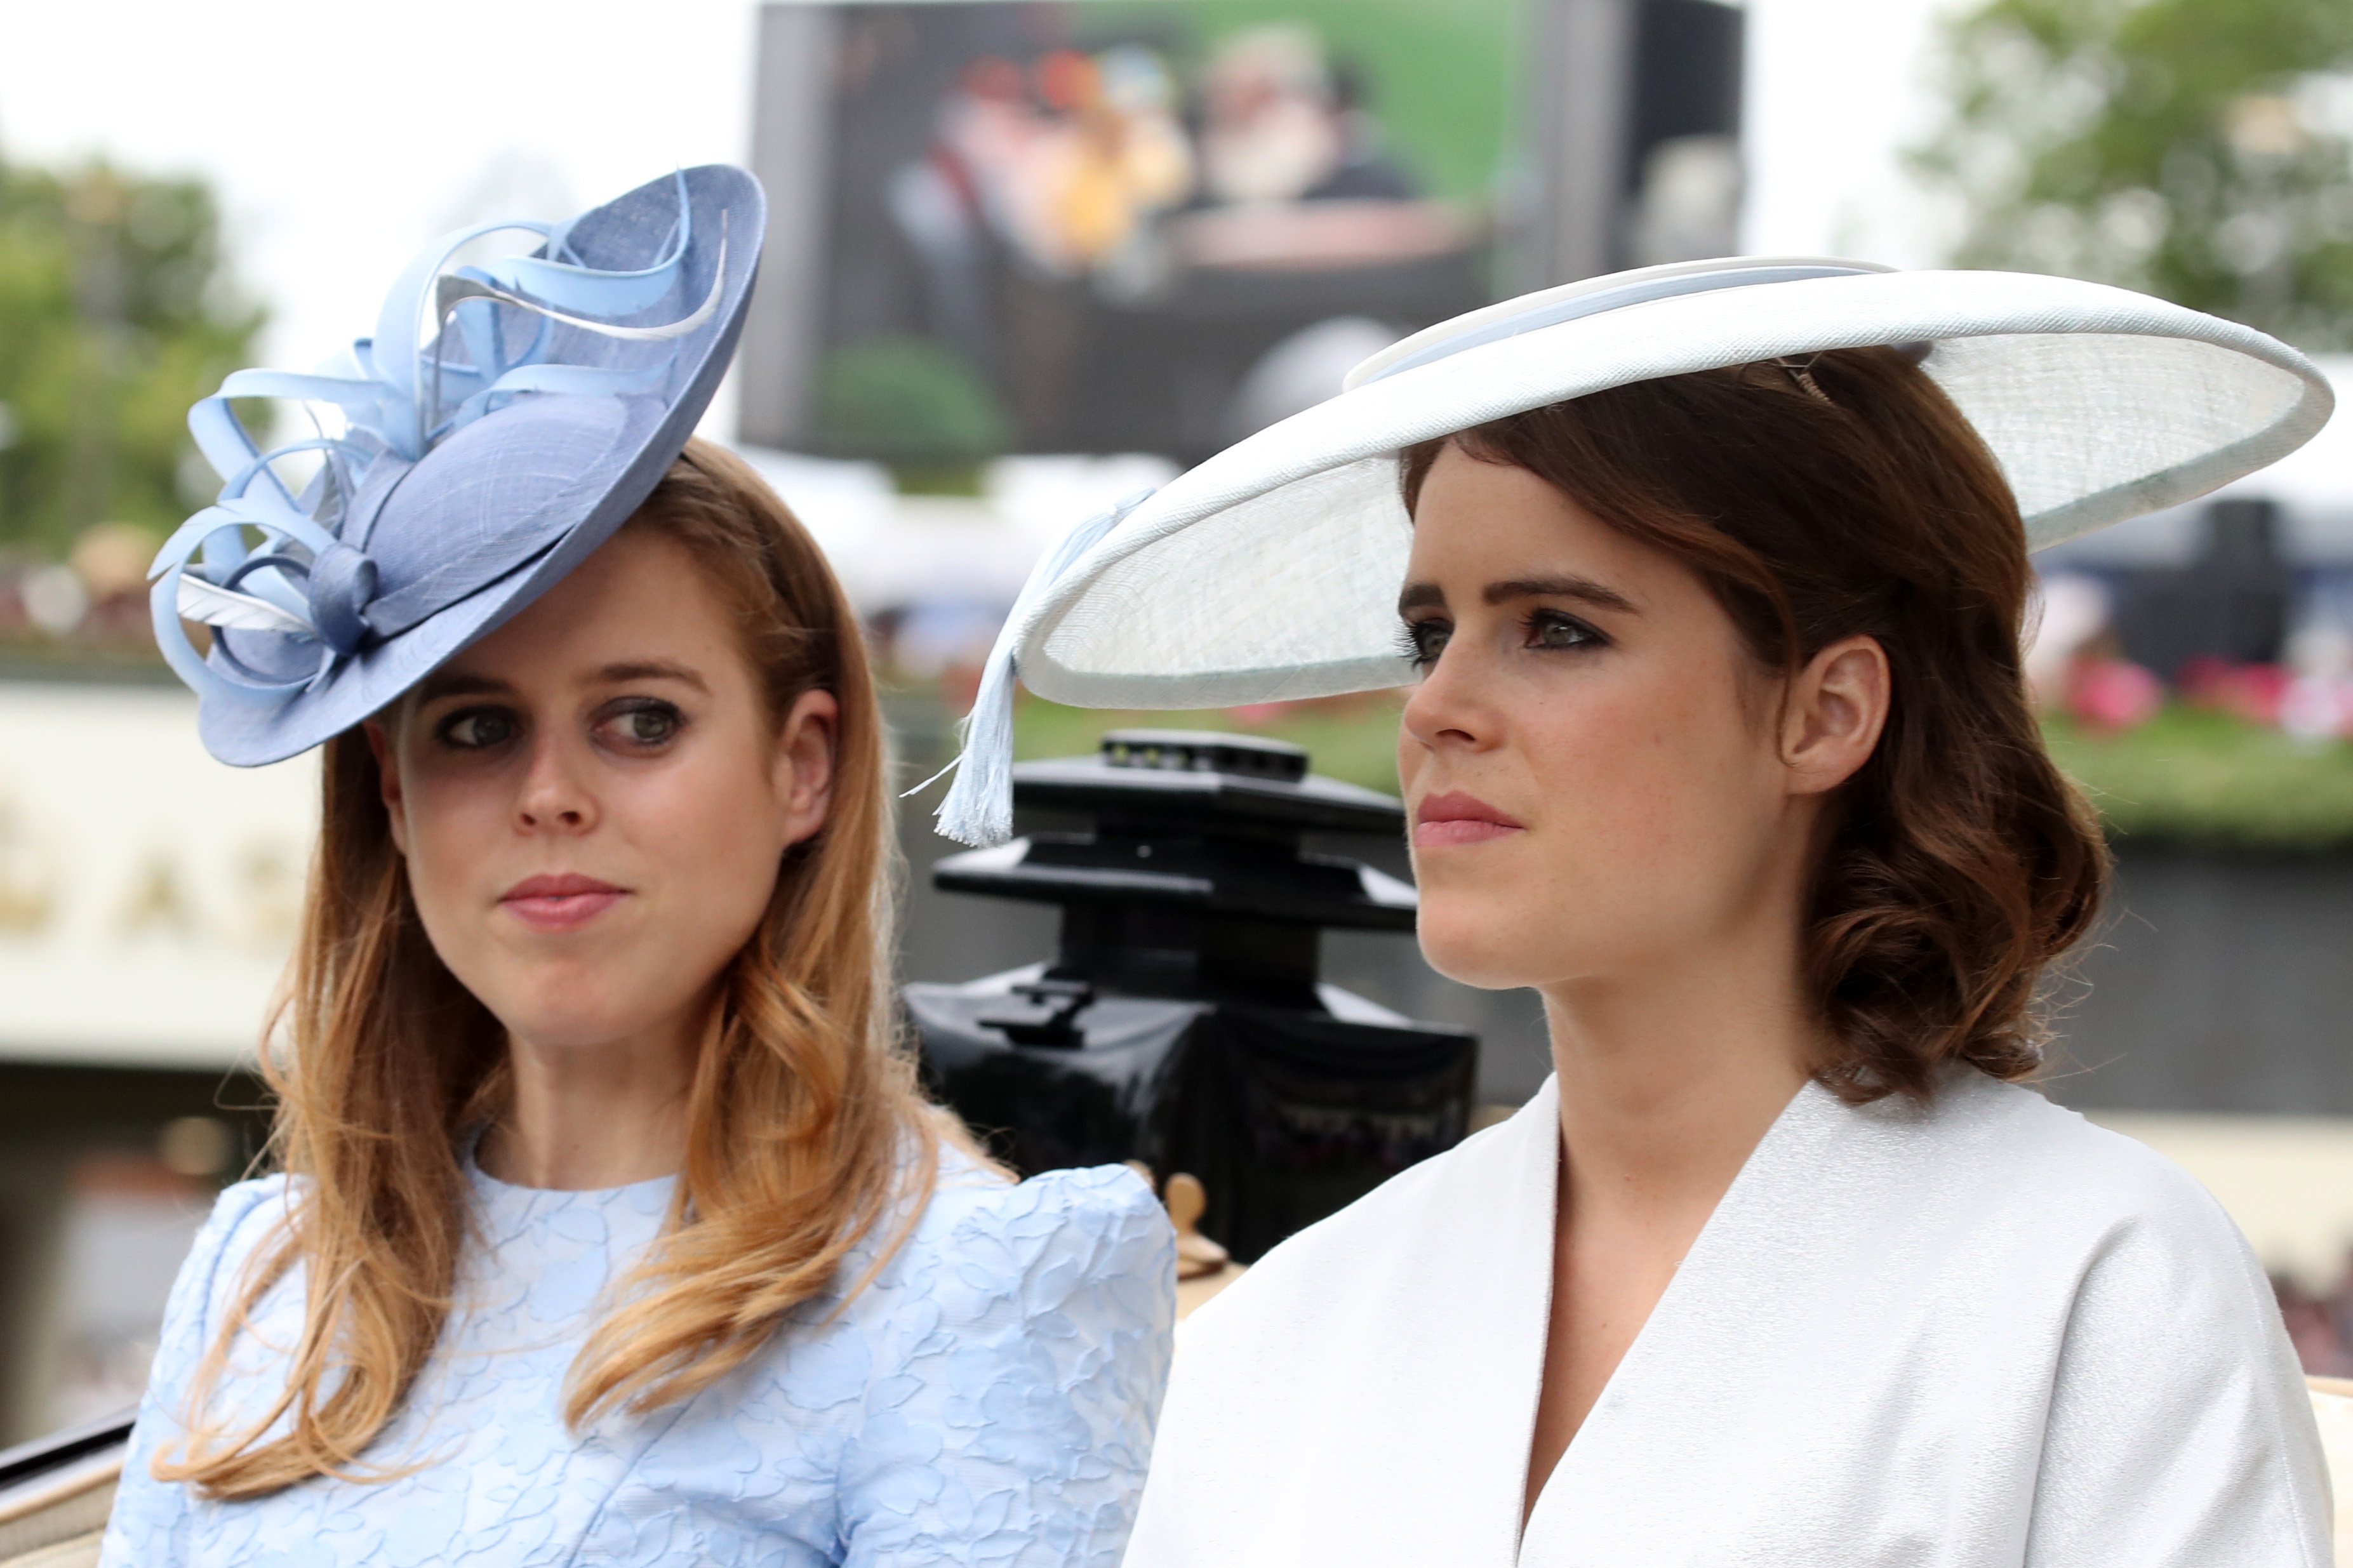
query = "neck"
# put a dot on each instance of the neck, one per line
(1670, 1078)
(585, 1116)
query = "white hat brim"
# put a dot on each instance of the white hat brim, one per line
(1270, 571)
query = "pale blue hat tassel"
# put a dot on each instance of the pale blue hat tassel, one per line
(978, 808)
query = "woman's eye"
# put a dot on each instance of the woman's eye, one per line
(644, 725)
(1420, 642)
(1550, 628)
(476, 728)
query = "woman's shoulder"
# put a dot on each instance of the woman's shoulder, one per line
(258, 1197)
(990, 1274)
(1055, 1230)
(1997, 1170)
(2014, 1142)
(244, 1216)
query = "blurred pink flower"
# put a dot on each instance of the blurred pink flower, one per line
(2113, 694)
(2251, 691)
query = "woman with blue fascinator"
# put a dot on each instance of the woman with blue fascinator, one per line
(1708, 583)
(608, 1220)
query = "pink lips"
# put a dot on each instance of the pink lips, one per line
(560, 903)
(1453, 818)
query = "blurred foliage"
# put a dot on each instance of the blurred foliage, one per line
(116, 313)
(2195, 149)
(2213, 780)
(2201, 779)
(1442, 78)
(911, 403)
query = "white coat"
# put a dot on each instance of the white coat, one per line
(1988, 1333)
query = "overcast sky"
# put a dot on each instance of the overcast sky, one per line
(343, 134)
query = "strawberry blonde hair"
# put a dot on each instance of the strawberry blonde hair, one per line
(807, 1128)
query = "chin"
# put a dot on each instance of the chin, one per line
(567, 1010)
(1475, 948)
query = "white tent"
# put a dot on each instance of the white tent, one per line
(895, 552)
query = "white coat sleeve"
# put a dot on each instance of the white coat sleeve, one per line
(2180, 1434)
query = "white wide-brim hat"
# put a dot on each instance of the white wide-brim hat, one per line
(1270, 571)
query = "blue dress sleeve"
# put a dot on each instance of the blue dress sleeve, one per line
(1009, 1422)
(148, 1528)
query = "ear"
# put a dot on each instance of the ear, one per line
(805, 761)
(388, 781)
(1837, 708)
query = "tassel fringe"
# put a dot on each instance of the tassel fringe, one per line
(978, 809)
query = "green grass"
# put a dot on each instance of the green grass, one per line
(2211, 780)
(2200, 779)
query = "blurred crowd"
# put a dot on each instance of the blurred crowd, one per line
(1069, 160)
(92, 603)
(2234, 630)
(2320, 1327)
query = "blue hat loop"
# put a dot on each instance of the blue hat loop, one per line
(501, 420)
(343, 581)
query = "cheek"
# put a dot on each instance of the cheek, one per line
(454, 827)
(700, 843)
(1646, 819)
(1640, 769)
(713, 844)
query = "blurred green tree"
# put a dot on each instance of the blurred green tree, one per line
(116, 313)
(915, 406)
(2199, 150)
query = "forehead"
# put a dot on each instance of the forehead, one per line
(1478, 521)
(639, 597)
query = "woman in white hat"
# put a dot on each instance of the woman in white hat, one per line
(609, 1221)
(1711, 581)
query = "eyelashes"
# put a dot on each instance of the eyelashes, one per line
(476, 728)
(638, 724)
(1556, 630)
(1419, 642)
(645, 721)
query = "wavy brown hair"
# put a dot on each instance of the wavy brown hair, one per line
(807, 1129)
(1852, 498)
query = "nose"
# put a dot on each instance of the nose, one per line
(1453, 707)
(554, 795)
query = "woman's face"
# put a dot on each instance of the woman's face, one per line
(1594, 766)
(593, 801)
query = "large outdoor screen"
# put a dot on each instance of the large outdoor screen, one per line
(1119, 224)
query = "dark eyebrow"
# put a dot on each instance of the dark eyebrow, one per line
(446, 683)
(457, 684)
(1430, 595)
(652, 669)
(1570, 587)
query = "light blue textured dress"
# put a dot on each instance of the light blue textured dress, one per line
(987, 1399)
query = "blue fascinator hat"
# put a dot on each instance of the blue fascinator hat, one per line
(505, 419)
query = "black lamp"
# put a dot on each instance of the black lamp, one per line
(1181, 1022)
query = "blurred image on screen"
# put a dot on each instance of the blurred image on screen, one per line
(1111, 227)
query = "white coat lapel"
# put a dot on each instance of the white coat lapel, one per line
(1406, 1336)
(1741, 1277)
